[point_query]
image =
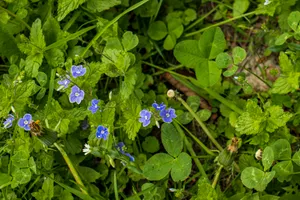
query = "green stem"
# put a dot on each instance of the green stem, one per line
(205, 129)
(72, 168)
(223, 100)
(111, 23)
(217, 177)
(157, 10)
(116, 186)
(220, 23)
(72, 20)
(51, 87)
(208, 151)
(170, 68)
(190, 149)
(141, 193)
(17, 18)
(201, 19)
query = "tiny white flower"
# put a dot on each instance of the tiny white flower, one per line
(267, 2)
(86, 149)
(258, 154)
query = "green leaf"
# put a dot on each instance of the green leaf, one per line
(240, 7)
(284, 85)
(278, 118)
(127, 86)
(157, 30)
(282, 38)
(151, 144)
(171, 139)
(204, 114)
(238, 54)
(67, 6)
(208, 73)
(21, 176)
(255, 178)
(4, 180)
(175, 27)
(249, 122)
(42, 78)
(32, 164)
(101, 5)
(193, 102)
(282, 150)
(206, 191)
(158, 166)
(33, 63)
(223, 60)
(181, 168)
(296, 158)
(169, 42)
(267, 158)
(55, 57)
(51, 30)
(286, 65)
(294, 20)
(283, 170)
(188, 53)
(231, 71)
(20, 159)
(36, 35)
(211, 43)
(129, 40)
(8, 45)
(88, 174)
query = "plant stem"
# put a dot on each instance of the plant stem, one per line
(116, 186)
(201, 19)
(17, 18)
(141, 193)
(205, 129)
(72, 20)
(220, 23)
(207, 150)
(72, 168)
(217, 176)
(190, 149)
(170, 68)
(111, 23)
(51, 88)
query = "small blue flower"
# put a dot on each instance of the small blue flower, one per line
(159, 107)
(94, 107)
(102, 132)
(167, 115)
(121, 147)
(78, 71)
(145, 117)
(25, 121)
(65, 82)
(8, 122)
(76, 95)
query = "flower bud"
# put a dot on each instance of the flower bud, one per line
(171, 93)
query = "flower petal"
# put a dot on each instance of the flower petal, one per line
(21, 123)
(27, 117)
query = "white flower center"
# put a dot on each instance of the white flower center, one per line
(167, 115)
(102, 132)
(146, 117)
(25, 122)
(96, 106)
(76, 94)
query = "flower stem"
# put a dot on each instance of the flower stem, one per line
(116, 186)
(190, 149)
(205, 129)
(135, 6)
(207, 150)
(72, 168)
(217, 176)
(220, 23)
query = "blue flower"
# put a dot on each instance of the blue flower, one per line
(121, 146)
(159, 107)
(25, 121)
(167, 115)
(65, 82)
(78, 71)
(145, 117)
(94, 107)
(76, 95)
(102, 132)
(8, 122)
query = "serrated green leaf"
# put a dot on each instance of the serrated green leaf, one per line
(55, 57)
(171, 139)
(255, 178)
(127, 86)
(284, 85)
(42, 78)
(21, 176)
(278, 118)
(286, 65)
(267, 158)
(67, 6)
(157, 30)
(206, 191)
(101, 5)
(158, 166)
(181, 168)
